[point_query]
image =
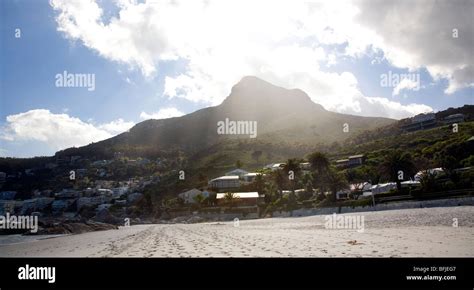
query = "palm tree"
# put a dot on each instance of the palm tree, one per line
(293, 165)
(320, 167)
(308, 187)
(335, 181)
(280, 180)
(395, 162)
(319, 162)
(229, 197)
(259, 183)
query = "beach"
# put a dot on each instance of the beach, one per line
(421, 232)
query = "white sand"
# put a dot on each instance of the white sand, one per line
(407, 233)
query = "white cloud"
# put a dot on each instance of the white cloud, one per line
(420, 34)
(164, 113)
(58, 131)
(279, 41)
(405, 84)
(117, 126)
(381, 106)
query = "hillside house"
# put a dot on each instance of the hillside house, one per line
(225, 182)
(421, 122)
(454, 119)
(250, 177)
(190, 195)
(274, 166)
(386, 187)
(239, 172)
(356, 160)
(343, 194)
(434, 171)
(239, 199)
(342, 163)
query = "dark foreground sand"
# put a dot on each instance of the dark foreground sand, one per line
(426, 232)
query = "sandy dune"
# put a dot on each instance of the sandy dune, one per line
(424, 232)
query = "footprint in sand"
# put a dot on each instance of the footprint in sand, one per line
(354, 242)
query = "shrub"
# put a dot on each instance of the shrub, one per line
(449, 185)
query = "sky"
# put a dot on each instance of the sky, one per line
(161, 59)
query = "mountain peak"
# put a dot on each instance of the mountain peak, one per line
(252, 92)
(283, 115)
(252, 80)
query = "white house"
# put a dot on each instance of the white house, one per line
(277, 166)
(343, 194)
(242, 198)
(410, 183)
(364, 187)
(252, 194)
(225, 182)
(386, 187)
(189, 196)
(250, 177)
(268, 166)
(383, 187)
(239, 172)
(434, 171)
(274, 166)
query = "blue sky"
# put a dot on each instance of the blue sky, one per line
(32, 61)
(166, 71)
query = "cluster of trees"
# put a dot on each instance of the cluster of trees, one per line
(322, 178)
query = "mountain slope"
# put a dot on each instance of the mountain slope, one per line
(281, 115)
